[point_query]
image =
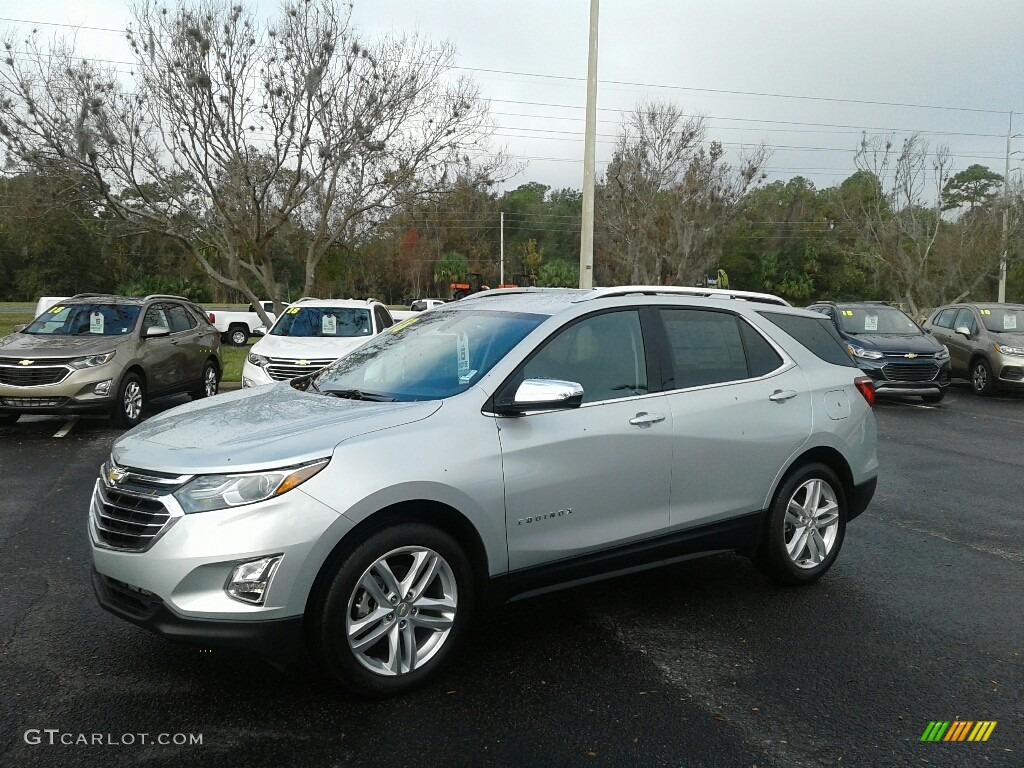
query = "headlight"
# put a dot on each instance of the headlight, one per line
(259, 360)
(93, 360)
(942, 354)
(1009, 350)
(867, 354)
(210, 492)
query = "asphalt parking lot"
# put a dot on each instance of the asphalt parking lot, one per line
(702, 664)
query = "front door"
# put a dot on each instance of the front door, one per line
(588, 478)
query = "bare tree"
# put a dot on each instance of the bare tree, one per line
(235, 128)
(665, 195)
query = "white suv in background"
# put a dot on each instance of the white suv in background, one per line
(311, 334)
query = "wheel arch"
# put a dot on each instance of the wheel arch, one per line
(138, 370)
(442, 516)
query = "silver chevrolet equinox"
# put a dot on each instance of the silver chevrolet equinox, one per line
(505, 445)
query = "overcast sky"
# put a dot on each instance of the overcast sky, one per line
(961, 63)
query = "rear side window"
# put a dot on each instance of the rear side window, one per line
(945, 318)
(180, 319)
(818, 336)
(714, 347)
(383, 318)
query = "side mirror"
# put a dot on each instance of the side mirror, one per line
(543, 395)
(19, 328)
(154, 331)
(964, 330)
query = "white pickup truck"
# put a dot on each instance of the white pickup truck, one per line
(236, 327)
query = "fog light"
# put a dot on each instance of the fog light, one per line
(247, 383)
(250, 581)
(103, 388)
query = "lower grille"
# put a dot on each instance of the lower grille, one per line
(281, 369)
(33, 375)
(910, 371)
(33, 402)
(126, 521)
(132, 600)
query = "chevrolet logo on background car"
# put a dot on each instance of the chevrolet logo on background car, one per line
(911, 355)
(25, 362)
(115, 475)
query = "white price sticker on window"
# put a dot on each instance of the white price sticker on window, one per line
(96, 322)
(329, 325)
(871, 323)
(463, 351)
(1009, 322)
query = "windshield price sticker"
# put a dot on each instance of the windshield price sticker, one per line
(871, 323)
(96, 322)
(329, 325)
(463, 352)
(1009, 322)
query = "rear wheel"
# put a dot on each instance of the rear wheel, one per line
(238, 335)
(806, 526)
(982, 381)
(209, 383)
(397, 606)
(131, 399)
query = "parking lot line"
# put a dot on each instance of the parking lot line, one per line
(68, 426)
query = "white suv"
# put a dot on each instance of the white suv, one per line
(565, 436)
(311, 334)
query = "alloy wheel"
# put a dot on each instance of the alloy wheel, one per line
(401, 611)
(132, 402)
(812, 522)
(980, 378)
(210, 381)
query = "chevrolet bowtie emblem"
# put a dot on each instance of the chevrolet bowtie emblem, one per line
(303, 362)
(25, 362)
(115, 475)
(912, 355)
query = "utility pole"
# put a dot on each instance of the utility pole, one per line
(501, 263)
(589, 160)
(1006, 216)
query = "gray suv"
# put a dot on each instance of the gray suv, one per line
(511, 443)
(95, 353)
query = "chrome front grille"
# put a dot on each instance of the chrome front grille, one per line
(910, 371)
(34, 375)
(127, 510)
(282, 369)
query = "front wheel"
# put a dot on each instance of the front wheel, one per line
(398, 604)
(131, 399)
(806, 526)
(982, 381)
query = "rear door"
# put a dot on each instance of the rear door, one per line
(159, 353)
(188, 338)
(594, 477)
(740, 409)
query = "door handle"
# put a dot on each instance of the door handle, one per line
(644, 419)
(781, 396)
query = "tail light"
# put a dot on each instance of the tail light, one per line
(866, 387)
(213, 318)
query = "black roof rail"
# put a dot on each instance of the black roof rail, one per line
(166, 296)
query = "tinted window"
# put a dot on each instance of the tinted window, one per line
(706, 347)
(156, 317)
(817, 336)
(762, 358)
(877, 319)
(945, 318)
(328, 322)
(383, 318)
(180, 319)
(418, 306)
(965, 319)
(85, 320)
(604, 353)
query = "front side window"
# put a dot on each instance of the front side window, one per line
(327, 322)
(156, 317)
(85, 320)
(428, 357)
(603, 353)
(965, 319)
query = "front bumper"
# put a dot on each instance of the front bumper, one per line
(898, 379)
(75, 394)
(254, 376)
(1009, 371)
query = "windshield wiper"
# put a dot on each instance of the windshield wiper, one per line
(358, 394)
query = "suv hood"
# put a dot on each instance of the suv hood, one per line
(274, 426)
(35, 347)
(895, 342)
(1010, 338)
(296, 347)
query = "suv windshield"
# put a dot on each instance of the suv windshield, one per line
(1003, 320)
(328, 322)
(880, 319)
(428, 357)
(86, 320)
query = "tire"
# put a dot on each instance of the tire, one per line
(130, 402)
(934, 399)
(238, 335)
(784, 535)
(982, 381)
(209, 383)
(413, 640)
